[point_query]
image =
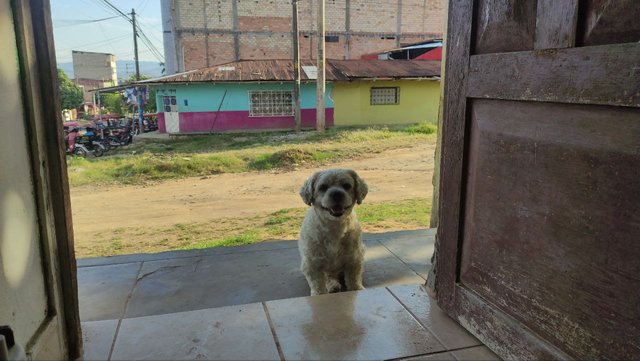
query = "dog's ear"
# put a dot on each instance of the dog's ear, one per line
(361, 189)
(307, 190)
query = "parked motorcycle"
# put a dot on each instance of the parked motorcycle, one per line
(87, 138)
(72, 146)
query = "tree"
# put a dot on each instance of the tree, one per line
(71, 95)
(113, 103)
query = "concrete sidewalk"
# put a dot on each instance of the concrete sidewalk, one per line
(116, 288)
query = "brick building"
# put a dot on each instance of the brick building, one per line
(201, 33)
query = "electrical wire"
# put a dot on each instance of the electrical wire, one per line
(98, 43)
(74, 22)
(118, 11)
(146, 27)
(154, 50)
(147, 42)
(142, 7)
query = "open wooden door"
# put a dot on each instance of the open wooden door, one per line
(539, 226)
(38, 292)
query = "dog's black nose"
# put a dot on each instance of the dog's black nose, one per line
(337, 196)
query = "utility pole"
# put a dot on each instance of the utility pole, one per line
(296, 65)
(135, 43)
(320, 79)
(135, 52)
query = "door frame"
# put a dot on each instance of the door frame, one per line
(36, 52)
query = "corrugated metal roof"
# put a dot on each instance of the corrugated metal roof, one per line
(282, 70)
(368, 69)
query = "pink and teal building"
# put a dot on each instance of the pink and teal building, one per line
(240, 96)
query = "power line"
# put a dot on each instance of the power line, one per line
(142, 7)
(114, 8)
(146, 27)
(145, 39)
(97, 43)
(148, 43)
(73, 22)
(102, 5)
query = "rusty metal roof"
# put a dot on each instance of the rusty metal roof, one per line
(282, 70)
(380, 69)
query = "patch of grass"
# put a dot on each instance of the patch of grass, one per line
(157, 160)
(285, 158)
(247, 237)
(280, 225)
(412, 213)
(422, 128)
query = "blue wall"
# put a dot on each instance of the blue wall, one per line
(206, 97)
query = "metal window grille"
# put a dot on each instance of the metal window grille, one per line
(332, 38)
(170, 104)
(380, 96)
(265, 103)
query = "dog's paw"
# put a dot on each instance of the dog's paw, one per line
(333, 286)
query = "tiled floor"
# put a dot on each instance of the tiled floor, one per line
(154, 284)
(383, 323)
(247, 303)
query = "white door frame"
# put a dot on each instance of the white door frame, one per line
(58, 335)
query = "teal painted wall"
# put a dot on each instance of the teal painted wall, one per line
(206, 97)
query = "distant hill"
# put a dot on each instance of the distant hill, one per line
(124, 68)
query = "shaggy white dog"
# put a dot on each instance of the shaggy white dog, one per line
(330, 240)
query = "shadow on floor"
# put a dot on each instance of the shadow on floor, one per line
(151, 284)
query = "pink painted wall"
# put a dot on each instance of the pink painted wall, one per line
(197, 122)
(162, 128)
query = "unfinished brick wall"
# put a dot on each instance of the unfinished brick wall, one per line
(212, 32)
(220, 49)
(194, 50)
(265, 46)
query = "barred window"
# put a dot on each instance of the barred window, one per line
(332, 38)
(170, 104)
(381, 96)
(265, 103)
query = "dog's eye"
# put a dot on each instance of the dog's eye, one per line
(346, 186)
(323, 188)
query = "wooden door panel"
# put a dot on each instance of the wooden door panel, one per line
(588, 75)
(537, 170)
(610, 22)
(556, 24)
(504, 26)
(537, 247)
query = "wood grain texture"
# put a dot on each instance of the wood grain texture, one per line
(606, 75)
(504, 26)
(609, 22)
(55, 165)
(451, 162)
(556, 24)
(552, 218)
(538, 253)
(500, 332)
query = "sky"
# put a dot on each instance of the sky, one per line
(114, 36)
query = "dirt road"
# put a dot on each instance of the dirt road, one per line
(392, 175)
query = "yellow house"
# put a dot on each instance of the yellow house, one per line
(386, 92)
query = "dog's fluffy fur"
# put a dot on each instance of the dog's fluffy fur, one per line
(330, 240)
